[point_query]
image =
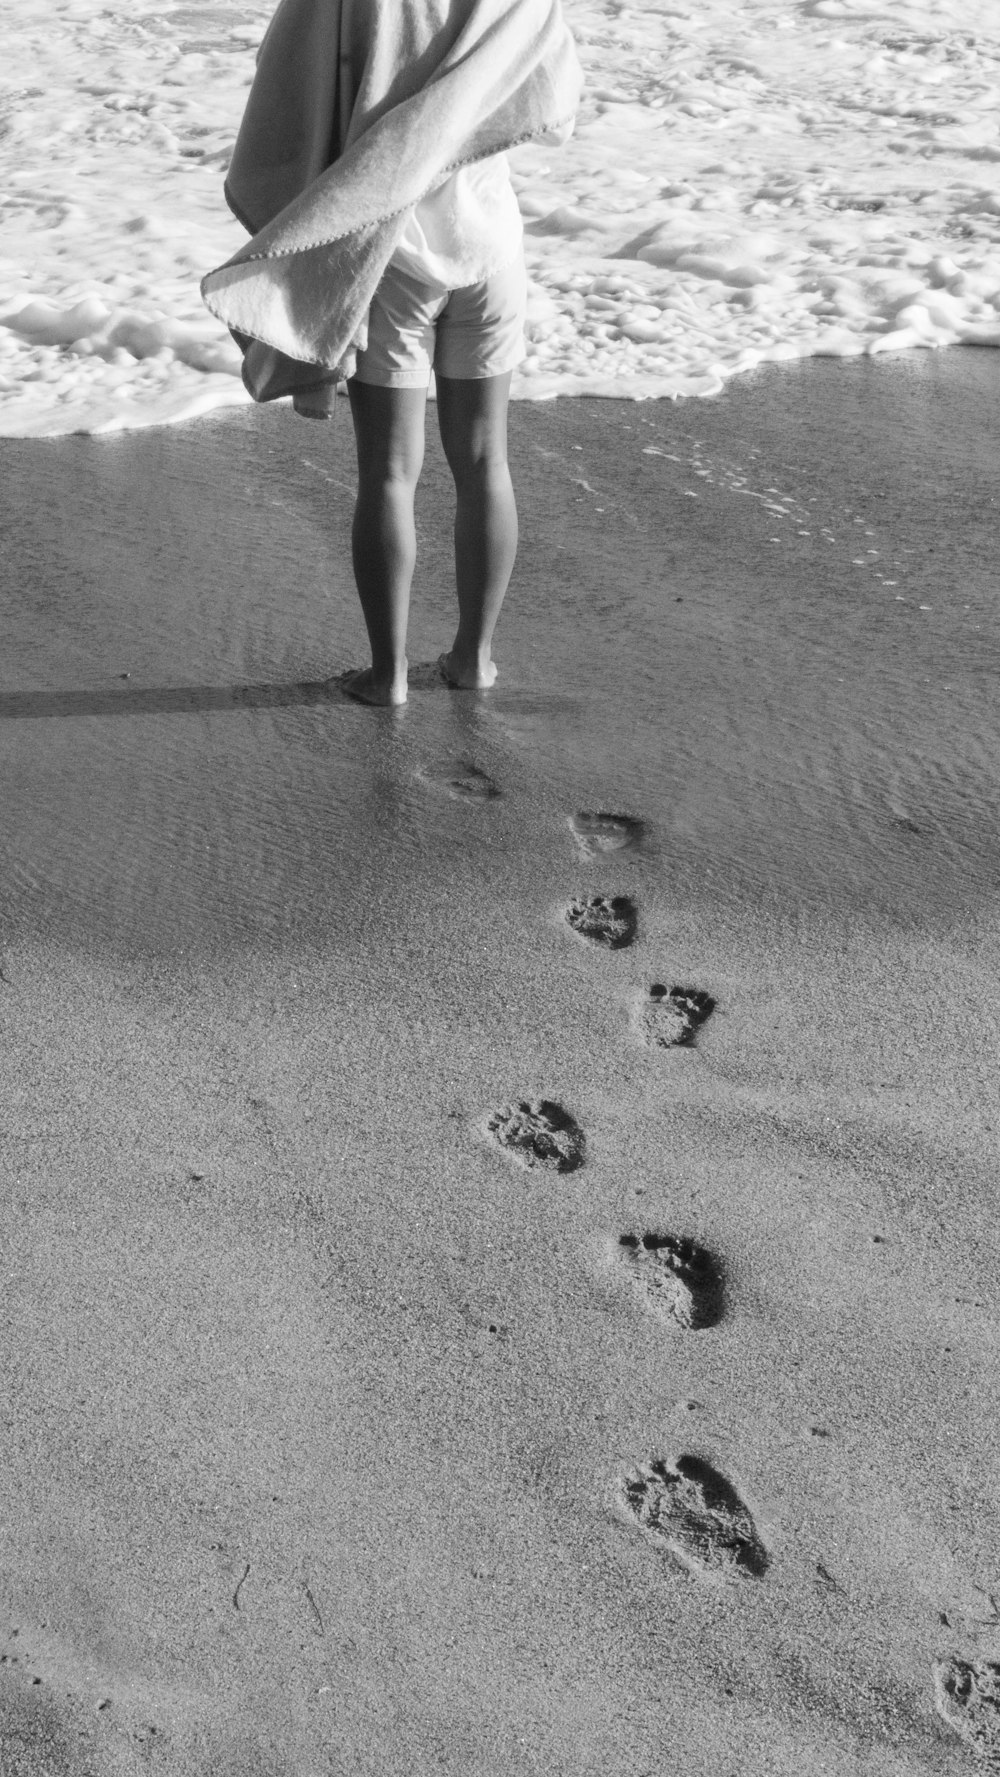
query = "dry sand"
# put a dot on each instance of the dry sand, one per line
(335, 1440)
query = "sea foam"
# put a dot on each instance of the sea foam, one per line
(749, 181)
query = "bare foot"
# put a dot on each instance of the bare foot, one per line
(364, 687)
(465, 675)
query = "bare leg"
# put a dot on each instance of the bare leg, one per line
(389, 432)
(473, 420)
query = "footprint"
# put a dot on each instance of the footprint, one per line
(672, 1015)
(460, 779)
(967, 1695)
(539, 1134)
(679, 1279)
(691, 1510)
(597, 833)
(605, 920)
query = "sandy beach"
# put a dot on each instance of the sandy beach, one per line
(338, 1441)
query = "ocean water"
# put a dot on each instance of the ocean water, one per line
(750, 181)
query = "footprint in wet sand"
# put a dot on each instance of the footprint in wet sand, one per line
(601, 832)
(678, 1278)
(539, 1134)
(609, 920)
(461, 779)
(671, 1016)
(693, 1512)
(967, 1695)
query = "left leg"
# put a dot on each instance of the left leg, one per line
(389, 432)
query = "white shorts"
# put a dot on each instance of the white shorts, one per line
(469, 334)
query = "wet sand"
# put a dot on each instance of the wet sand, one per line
(342, 1436)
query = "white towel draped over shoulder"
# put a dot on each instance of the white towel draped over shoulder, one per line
(360, 108)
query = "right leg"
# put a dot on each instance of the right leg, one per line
(389, 431)
(472, 414)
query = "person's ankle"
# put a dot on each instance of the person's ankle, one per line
(392, 680)
(470, 668)
(378, 684)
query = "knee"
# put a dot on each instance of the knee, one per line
(484, 474)
(393, 476)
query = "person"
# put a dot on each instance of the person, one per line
(427, 311)
(371, 171)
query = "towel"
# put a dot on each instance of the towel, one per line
(358, 109)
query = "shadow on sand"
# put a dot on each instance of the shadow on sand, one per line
(165, 700)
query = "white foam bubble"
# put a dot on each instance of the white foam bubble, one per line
(750, 181)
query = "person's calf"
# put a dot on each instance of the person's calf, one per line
(384, 551)
(485, 548)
